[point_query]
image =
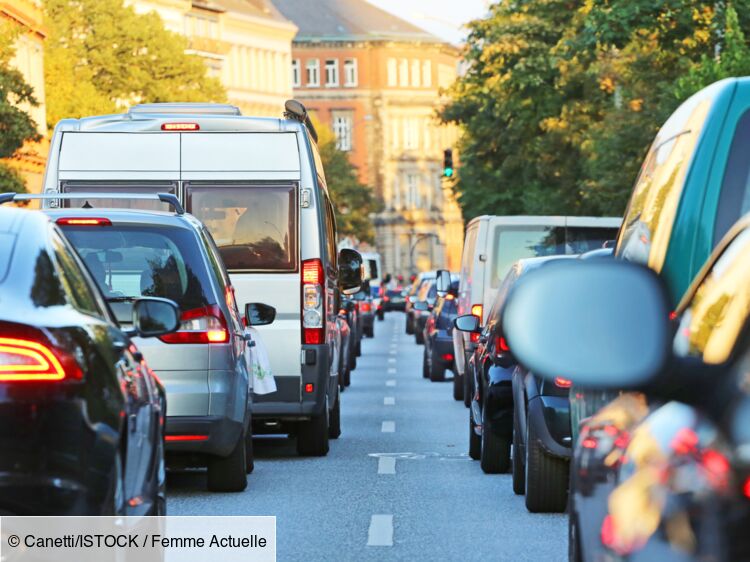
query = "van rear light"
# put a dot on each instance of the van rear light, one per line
(563, 383)
(35, 360)
(83, 221)
(185, 438)
(180, 127)
(200, 325)
(476, 310)
(313, 305)
(501, 346)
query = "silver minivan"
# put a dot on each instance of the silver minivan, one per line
(258, 184)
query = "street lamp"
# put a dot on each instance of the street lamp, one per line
(420, 237)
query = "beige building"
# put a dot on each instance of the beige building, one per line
(27, 15)
(375, 80)
(245, 43)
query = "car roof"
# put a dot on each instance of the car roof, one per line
(527, 264)
(129, 216)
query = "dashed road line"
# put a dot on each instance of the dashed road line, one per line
(389, 401)
(391, 370)
(388, 427)
(387, 465)
(380, 532)
(390, 382)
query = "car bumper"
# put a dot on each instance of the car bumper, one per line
(442, 346)
(368, 320)
(211, 435)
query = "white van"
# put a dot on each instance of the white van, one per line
(374, 274)
(259, 186)
(493, 243)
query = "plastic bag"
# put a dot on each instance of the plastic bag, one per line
(263, 381)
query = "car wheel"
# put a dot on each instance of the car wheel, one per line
(437, 371)
(419, 336)
(475, 441)
(249, 454)
(334, 423)
(468, 388)
(353, 358)
(425, 366)
(458, 386)
(574, 543)
(229, 474)
(546, 477)
(312, 436)
(370, 333)
(494, 457)
(519, 474)
(381, 315)
(359, 351)
(409, 327)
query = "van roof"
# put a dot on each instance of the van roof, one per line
(553, 220)
(131, 216)
(186, 108)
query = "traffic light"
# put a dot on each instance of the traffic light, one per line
(448, 170)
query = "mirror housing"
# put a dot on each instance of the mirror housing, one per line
(603, 323)
(467, 323)
(153, 316)
(259, 314)
(350, 271)
(421, 306)
(412, 299)
(443, 282)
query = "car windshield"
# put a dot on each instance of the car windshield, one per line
(253, 226)
(513, 243)
(128, 262)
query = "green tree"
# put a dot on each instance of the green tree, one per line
(101, 56)
(352, 200)
(16, 125)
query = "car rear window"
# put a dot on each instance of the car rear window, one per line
(513, 243)
(254, 226)
(128, 262)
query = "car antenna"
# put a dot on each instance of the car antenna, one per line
(87, 205)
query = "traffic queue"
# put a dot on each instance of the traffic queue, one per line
(146, 319)
(604, 362)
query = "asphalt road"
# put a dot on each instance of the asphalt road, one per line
(397, 485)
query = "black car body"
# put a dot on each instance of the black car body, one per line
(81, 413)
(412, 297)
(438, 336)
(427, 294)
(365, 312)
(394, 299)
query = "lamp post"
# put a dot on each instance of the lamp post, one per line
(420, 237)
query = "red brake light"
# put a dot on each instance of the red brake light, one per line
(746, 487)
(476, 310)
(172, 438)
(34, 360)
(366, 307)
(563, 383)
(501, 346)
(589, 443)
(312, 272)
(200, 325)
(447, 357)
(673, 315)
(474, 337)
(450, 297)
(180, 127)
(83, 221)
(313, 302)
(309, 388)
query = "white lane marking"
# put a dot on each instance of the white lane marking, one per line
(388, 427)
(390, 382)
(392, 352)
(391, 360)
(380, 532)
(391, 370)
(389, 401)
(387, 465)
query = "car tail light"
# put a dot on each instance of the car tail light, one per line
(447, 357)
(476, 310)
(386, 298)
(366, 307)
(589, 443)
(450, 297)
(474, 337)
(313, 305)
(178, 438)
(83, 221)
(200, 325)
(563, 383)
(501, 346)
(309, 388)
(180, 127)
(34, 359)
(746, 487)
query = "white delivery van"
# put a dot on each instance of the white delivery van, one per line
(259, 186)
(493, 243)
(374, 273)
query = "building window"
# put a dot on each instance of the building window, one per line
(411, 133)
(332, 73)
(313, 73)
(392, 72)
(350, 73)
(412, 191)
(415, 73)
(403, 73)
(201, 26)
(426, 74)
(296, 74)
(342, 129)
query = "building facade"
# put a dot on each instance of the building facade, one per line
(28, 17)
(375, 80)
(245, 43)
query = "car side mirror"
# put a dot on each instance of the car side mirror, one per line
(154, 316)
(412, 299)
(443, 282)
(350, 271)
(604, 324)
(259, 314)
(467, 323)
(421, 305)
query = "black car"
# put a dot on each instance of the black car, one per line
(676, 481)
(493, 411)
(394, 299)
(81, 414)
(438, 336)
(412, 296)
(365, 311)
(427, 294)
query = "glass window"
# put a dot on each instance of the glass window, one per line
(313, 73)
(342, 129)
(734, 200)
(332, 73)
(412, 191)
(719, 309)
(296, 74)
(403, 73)
(467, 258)
(255, 227)
(74, 281)
(415, 73)
(392, 67)
(411, 133)
(119, 187)
(426, 74)
(350, 72)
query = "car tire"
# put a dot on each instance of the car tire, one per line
(334, 420)
(468, 389)
(475, 441)
(353, 358)
(574, 538)
(425, 365)
(409, 327)
(312, 436)
(249, 454)
(370, 332)
(458, 387)
(419, 336)
(381, 315)
(546, 477)
(494, 456)
(229, 474)
(519, 474)
(359, 351)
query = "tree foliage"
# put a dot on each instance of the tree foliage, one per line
(101, 55)
(16, 125)
(352, 200)
(561, 99)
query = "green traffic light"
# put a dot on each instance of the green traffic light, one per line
(448, 172)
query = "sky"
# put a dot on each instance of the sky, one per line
(443, 18)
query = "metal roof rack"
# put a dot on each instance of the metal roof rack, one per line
(294, 109)
(185, 109)
(167, 198)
